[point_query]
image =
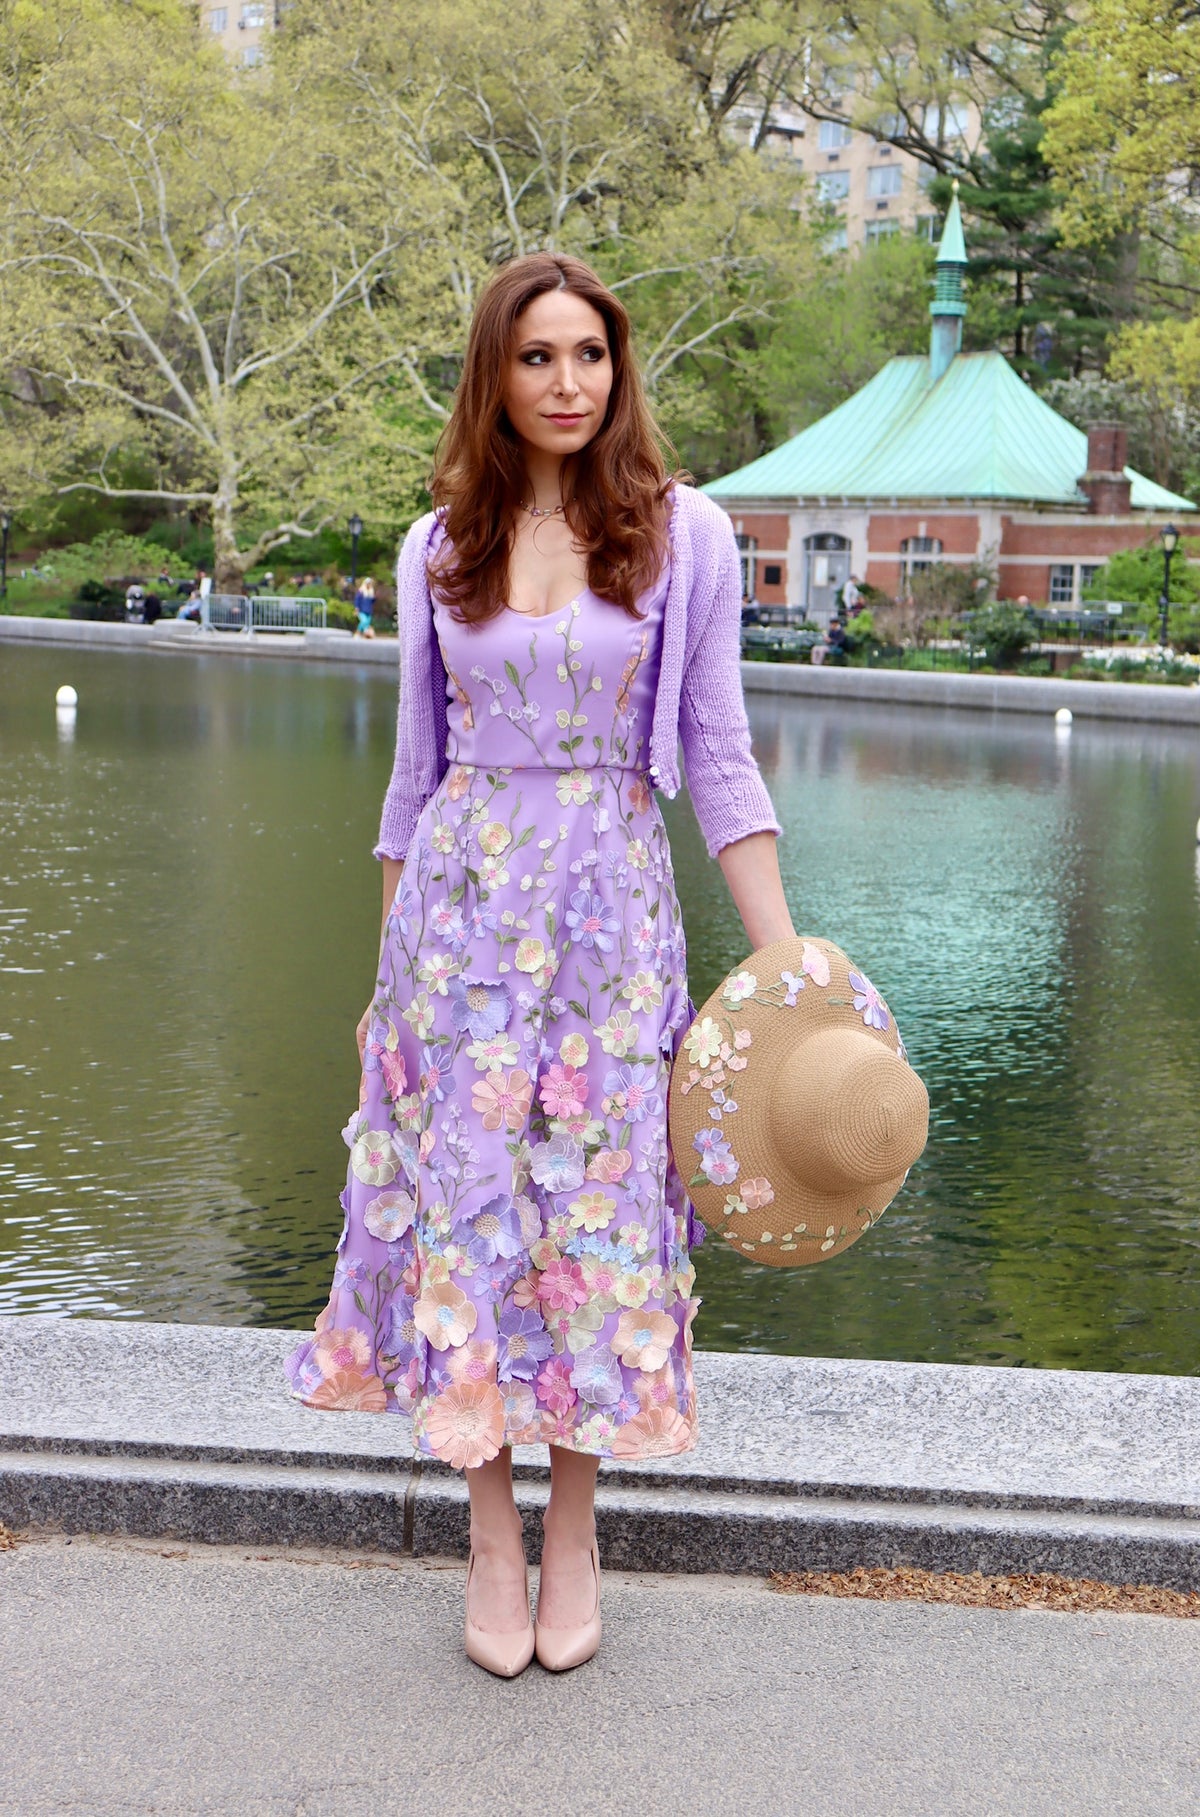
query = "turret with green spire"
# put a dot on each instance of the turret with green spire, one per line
(948, 307)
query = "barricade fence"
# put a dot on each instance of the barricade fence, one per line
(261, 612)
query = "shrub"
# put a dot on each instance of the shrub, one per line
(1001, 630)
(1136, 576)
(98, 601)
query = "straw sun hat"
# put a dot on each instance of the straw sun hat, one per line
(794, 1113)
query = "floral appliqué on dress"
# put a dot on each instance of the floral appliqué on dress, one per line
(514, 1262)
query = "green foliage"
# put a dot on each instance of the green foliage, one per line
(1136, 576)
(860, 631)
(837, 333)
(1001, 630)
(1049, 307)
(112, 556)
(97, 600)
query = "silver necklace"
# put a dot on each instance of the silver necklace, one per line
(536, 511)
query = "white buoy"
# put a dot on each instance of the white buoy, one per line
(66, 696)
(1064, 717)
(1198, 832)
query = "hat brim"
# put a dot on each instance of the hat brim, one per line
(755, 1197)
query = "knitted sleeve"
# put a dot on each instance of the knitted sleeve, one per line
(728, 794)
(420, 759)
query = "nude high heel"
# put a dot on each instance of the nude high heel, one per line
(505, 1655)
(561, 1649)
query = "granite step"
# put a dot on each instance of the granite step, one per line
(111, 1426)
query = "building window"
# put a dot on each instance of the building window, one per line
(917, 554)
(832, 136)
(950, 120)
(772, 574)
(833, 185)
(254, 14)
(747, 545)
(1087, 574)
(880, 230)
(1062, 584)
(926, 228)
(884, 180)
(837, 241)
(218, 19)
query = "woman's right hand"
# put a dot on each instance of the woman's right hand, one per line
(361, 1033)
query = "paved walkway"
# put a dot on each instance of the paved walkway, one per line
(142, 1678)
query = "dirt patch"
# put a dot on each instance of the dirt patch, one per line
(1082, 1595)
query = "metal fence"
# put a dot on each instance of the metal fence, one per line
(266, 612)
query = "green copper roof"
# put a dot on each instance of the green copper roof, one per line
(953, 249)
(979, 432)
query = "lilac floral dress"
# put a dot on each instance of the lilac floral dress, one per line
(514, 1263)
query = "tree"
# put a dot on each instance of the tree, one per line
(1123, 136)
(1051, 307)
(248, 295)
(835, 335)
(532, 124)
(1124, 130)
(197, 293)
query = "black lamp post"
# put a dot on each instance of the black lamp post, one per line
(5, 527)
(355, 533)
(1170, 542)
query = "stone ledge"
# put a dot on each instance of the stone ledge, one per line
(173, 635)
(120, 1426)
(1157, 704)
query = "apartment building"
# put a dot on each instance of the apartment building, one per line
(873, 188)
(241, 27)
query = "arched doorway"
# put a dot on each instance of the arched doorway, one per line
(826, 571)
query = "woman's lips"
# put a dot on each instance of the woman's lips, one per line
(566, 421)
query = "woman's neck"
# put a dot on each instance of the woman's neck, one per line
(543, 477)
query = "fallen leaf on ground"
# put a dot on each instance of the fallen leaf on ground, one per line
(971, 1589)
(8, 1541)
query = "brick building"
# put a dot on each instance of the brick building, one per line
(945, 457)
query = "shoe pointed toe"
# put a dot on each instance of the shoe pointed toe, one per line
(503, 1655)
(562, 1649)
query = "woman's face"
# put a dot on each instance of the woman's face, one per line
(559, 374)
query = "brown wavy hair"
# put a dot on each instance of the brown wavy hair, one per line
(614, 489)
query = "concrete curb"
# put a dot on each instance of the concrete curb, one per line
(1149, 702)
(187, 1432)
(1157, 705)
(172, 636)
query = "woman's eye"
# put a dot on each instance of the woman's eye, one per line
(595, 354)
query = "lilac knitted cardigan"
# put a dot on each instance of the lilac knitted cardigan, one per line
(699, 699)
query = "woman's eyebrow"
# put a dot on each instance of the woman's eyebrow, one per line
(587, 340)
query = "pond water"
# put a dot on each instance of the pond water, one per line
(188, 922)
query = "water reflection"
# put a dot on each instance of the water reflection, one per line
(188, 916)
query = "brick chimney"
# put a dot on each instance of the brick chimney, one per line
(1104, 482)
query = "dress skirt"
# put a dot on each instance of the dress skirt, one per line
(514, 1265)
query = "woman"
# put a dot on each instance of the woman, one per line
(364, 606)
(514, 1264)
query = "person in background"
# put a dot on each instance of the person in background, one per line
(832, 647)
(852, 599)
(364, 605)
